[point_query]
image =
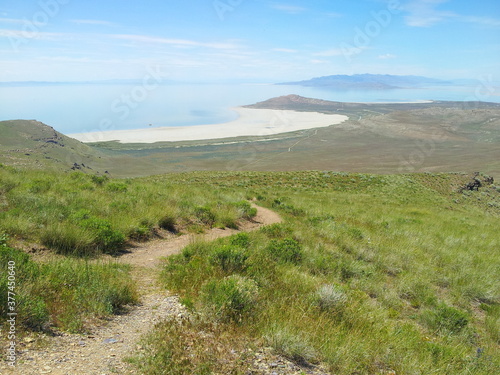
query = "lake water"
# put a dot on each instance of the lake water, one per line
(80, 108)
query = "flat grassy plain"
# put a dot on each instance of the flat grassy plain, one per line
(383, 138)
(367, 273)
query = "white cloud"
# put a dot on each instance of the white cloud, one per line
(387, 56)
(12, 20)
(316, 61)
(93, 22)
(31, 34)
(424, 13)
(175, 42)
(291, 9)
(484, 21)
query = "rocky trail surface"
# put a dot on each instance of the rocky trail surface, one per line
(103, 352)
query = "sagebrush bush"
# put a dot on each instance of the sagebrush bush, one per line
(331, 297)
(231, 299)
(277, 230)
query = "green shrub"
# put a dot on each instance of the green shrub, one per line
(229, 258)
(286, 250)
(205, 215)
(117, 187)
(231, 299)
(39, 186)
(106, 238)
(31, 310)
(241, 240)
(99, 180)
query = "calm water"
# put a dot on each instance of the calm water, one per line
(92, 107)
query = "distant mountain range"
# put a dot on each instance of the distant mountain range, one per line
(370, 81)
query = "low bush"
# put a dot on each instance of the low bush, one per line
(229, 258)
(241, 240)
(331, 298)
(231, 299)
(286, 250)
(167, 222)
(68, 239)
(205, 215)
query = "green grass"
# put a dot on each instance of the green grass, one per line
(79, 214)
(369, 274)
(68, 294)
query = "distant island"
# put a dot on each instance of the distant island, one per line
(369, 81)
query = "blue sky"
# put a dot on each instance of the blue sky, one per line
(254, 40)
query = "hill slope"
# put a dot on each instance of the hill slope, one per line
(34, 144)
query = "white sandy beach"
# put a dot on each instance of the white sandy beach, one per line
(251, 122)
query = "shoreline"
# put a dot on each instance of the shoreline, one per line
(251, 122)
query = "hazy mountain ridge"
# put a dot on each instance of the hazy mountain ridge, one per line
(369, 81)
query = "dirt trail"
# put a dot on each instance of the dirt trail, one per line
(103, 352)
(150, 253)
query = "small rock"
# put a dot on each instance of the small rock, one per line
(29, 339)
(110, 341)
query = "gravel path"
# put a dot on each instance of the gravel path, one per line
(104, 350)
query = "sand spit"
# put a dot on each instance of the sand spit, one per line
(251, 122)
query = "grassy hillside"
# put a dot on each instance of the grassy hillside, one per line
(82, 216)
(370, 274)
(31, 144)
(367, 274)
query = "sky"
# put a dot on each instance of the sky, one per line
(247, 40)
